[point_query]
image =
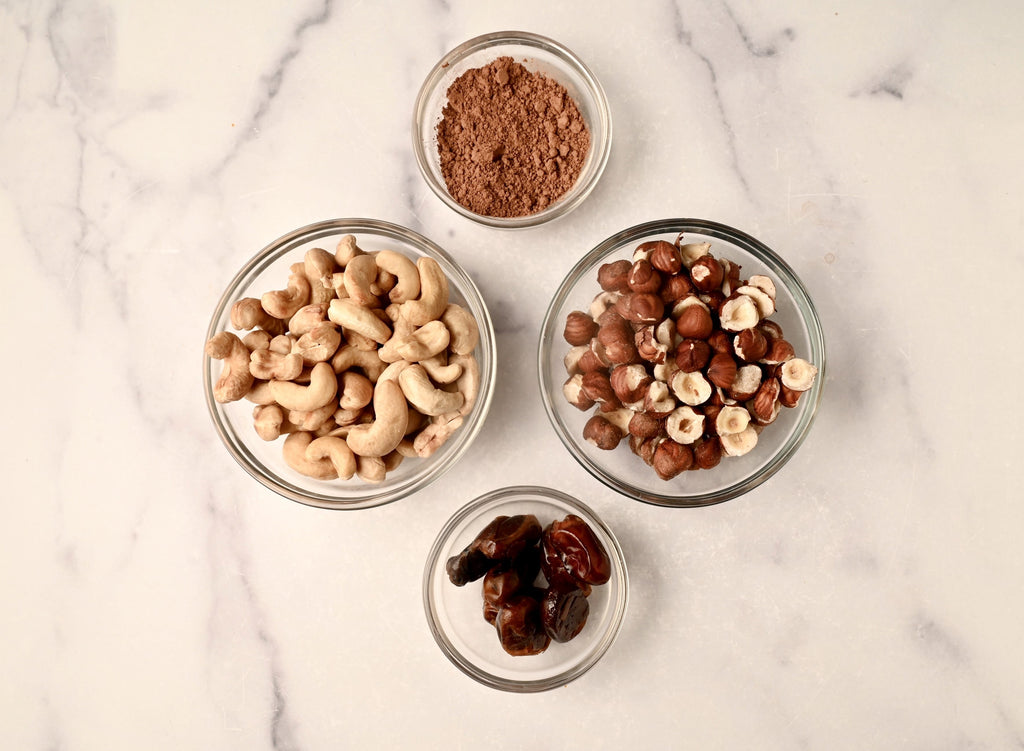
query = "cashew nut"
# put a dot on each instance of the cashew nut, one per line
(248, 313)
(440, 370)
(348, 357)
(322, 388)
(317, 264)
(294, 453)
(465, 334)
(433, 297)
(359, 341)
(352, 316)
(312, 419)
(336, 451)
(391, 416)
(260, 393)
(271, 422)
(424, 342)
(424, 395)
(267, 364)
(307, 317)
(347, 250)
(319, 344)
(371, 469)
(468, 384)
(360, 273)
(432, 437)
(356, 390)
(407, 286)
(235, 379)
(284, 303)
(257, 339)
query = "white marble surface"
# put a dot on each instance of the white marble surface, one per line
(868, 596)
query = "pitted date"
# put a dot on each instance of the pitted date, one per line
(520, 630)
(564, 610)
(581, 553)
(507, 536)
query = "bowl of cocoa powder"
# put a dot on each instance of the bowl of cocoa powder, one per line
(511, 130)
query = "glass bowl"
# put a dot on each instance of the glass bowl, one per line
(537, 54)
(619, 468)
(269, 270)
(455, 614)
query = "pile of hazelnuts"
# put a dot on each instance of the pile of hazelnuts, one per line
(536, 580)
(679, 356)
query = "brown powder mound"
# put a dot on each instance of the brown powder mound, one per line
(511, 141)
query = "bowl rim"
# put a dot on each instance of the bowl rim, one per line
(601, 139)
(535, 493)
(273, 252)
(808, 405)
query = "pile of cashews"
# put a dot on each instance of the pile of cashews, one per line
(360, 362)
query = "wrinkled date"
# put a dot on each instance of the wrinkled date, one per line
(536, 580)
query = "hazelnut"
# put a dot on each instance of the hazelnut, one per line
(694, 321)
(659, 401)
(580, 328)
(713, 300)
(690, 252)
(643, 277)
(573, 356)
(684, 425)
(590, 361)
(798, 374)
(779, 351)
(648, 346)
(707, 453)
(629, 382)
(692, 354)
(597, 386)
(616, 336)
(665, 257)
(644, 425)
(640, 307)
(645, 447)
(746, 383)
(573, 391)
(763, 283)
(788, 397)
(764, 407)
(671, 458)
(602, 433)
(732, 276)
(765, 303)
(707, 274)
(711, 412)
(675, 287)
(738, 444)
(738, 313)
(750, 345)
(722, 370)
(731, 420)
(720, 342)
(614, 276)
(770, 329)
(601, 303)
(691, 388)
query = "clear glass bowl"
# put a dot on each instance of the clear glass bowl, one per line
(538, 54)
(268, 270)
(455, 614)
(620, 469)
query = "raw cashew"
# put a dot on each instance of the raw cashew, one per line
(271, 422)
(260, 393)
(440, 370)
(356, 390)
(360, 273)
(350, 315)
(307, 317)
(336, 451)
(393, 370)
(317, 264)
(270, 365)
(248, 313)
(467, 384)
(282, 344)
(433, 297)
(432, 437)
(357, 340)
(294, 453)
(312, 419)
(424, 395)
(347, 250)
(424, 342)
(284, 303)
(391, 415)
(348, 357)
(384, 283)
(465, 334)
(407, 286)
(322, 388)
(235, 379)
(371, 469)
(319, 344)
(257, 339)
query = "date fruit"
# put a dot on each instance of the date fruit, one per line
(520, 630)
(564, 610)
(581, 553)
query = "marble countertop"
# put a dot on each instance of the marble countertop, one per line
(867, 596)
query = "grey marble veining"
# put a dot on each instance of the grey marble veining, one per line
(868, 596)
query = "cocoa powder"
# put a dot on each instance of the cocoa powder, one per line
(511, 141)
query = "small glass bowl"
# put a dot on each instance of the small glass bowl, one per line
(269, 270)
(455, 614)
(620, 469)
(538, 54)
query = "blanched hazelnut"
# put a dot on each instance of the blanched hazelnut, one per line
(731, 420)
(738, 313)
(684, 425)
(746, 383)
(691, 388)
(659, 401)
(738, 444)
(798, 374)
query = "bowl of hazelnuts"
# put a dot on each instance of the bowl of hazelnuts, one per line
(681, 362)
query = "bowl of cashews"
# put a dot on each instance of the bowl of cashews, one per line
(349, 364)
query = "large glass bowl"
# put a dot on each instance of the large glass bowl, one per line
(455, 614)
(538, 54)
(269, 270)
(619, 468)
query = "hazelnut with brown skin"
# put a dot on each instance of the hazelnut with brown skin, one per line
(640, 307)
(614, 276)
(598, 387)
(675, 288)
(602, 433)
(648, 346)
(722, 370)
(643, 277)
(665, 256)
(720, 342)
(746, 383)
(692, 355)
(694, 321)
(707, 274)
(580, 328)
(750, 345)
(643, 425)
(671, 458)
(788, 397)
(707, 453)
(629, 382)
